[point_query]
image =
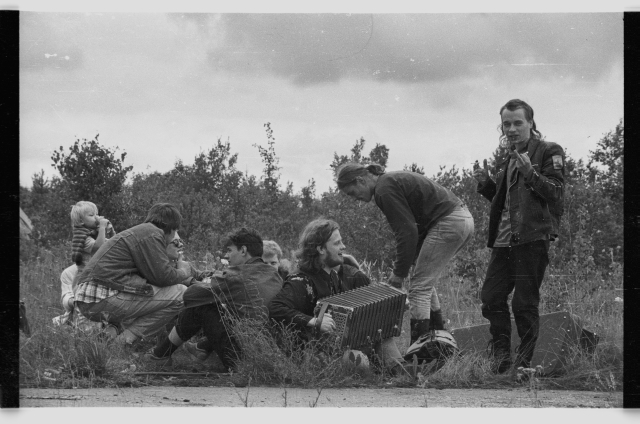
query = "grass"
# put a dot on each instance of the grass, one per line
(85, 360)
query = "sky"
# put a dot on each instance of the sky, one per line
(165, 86)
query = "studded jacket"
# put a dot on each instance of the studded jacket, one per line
(299, 295)
(536, 199)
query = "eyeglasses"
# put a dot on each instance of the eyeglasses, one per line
(178, 243)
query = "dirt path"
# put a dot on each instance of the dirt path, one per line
(275, 397)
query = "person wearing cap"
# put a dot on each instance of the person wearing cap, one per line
(526, 205)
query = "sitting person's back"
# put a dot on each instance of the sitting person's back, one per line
(244, 290)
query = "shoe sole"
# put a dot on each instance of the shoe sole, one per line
(196, 354)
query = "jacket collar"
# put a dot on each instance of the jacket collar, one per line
(532, 146)
(254, 259)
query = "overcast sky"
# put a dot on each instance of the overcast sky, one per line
(165, 86)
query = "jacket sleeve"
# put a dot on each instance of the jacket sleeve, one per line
(152, 262)
(396, 208)
(294, 303)
(548, 184)
(488, 189)
(352, 277)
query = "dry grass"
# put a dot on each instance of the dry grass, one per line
(88, 361)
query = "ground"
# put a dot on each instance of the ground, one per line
(157, 396)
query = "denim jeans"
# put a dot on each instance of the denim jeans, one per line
(443, 241)
(143, 316)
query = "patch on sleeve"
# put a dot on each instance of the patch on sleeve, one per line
(557, 162)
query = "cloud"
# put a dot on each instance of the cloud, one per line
(324, 48)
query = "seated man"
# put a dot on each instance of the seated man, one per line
(244, 290)
(320, 251)
(130, 281)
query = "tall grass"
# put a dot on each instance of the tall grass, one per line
(87, 360)
(274, 354)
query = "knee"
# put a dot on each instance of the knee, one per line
(523, 308)
(174, 292)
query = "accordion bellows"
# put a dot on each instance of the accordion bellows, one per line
(364, 315)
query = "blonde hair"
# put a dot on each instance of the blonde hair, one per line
(80, 209)
(270, 247)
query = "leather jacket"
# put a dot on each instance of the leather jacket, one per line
(536, 199)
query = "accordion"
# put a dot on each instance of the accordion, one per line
(364, 315)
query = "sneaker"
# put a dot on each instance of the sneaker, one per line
(111, 331)
(193, 349)
(156, 362)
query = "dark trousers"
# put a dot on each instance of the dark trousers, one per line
(519, 269)
(211, 321)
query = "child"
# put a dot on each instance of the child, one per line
(272, 255)
(89, 233)
(72, 315)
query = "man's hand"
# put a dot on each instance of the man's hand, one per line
(327, 325)
(482, 174)
(184, 267)
(395, 281)
(523, 163)
(350, 260)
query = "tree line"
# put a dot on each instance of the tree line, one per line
(214, 197)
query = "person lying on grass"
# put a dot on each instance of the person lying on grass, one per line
(320, 251)
(243, 291)
(130, 281)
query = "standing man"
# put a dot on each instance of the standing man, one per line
(526, 204)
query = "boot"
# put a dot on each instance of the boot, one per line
(418, 328)
(523, 356)
(436, 320)
(500, 355)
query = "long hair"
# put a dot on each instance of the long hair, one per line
(348, 172)
(315, 234)
(528, 114)
(165, 216)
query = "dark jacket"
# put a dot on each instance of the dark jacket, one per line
(301, 291)
(412, 204)
(536, 200)
(132, 261)
(246, 290)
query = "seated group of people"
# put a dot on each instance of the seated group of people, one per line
(133, 281)
(136, 284)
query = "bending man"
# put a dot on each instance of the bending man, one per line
(429, 222)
